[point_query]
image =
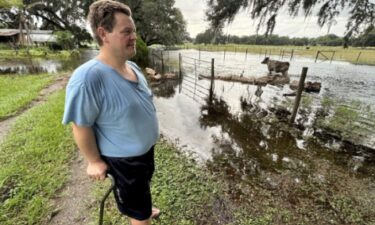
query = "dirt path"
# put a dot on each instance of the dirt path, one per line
(73, 200)
(72, 206)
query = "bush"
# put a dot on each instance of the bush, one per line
(65, 39)
(141, 58)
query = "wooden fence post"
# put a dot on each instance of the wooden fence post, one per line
(317, 54)
(212, 80)
(358, 57)
(301, 86)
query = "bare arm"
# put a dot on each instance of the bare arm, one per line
(85, 139)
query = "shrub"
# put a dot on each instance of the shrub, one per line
(141, 58)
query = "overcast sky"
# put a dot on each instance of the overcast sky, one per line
(194, 14)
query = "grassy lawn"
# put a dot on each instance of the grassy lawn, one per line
(19, 90)
(34, 163)
(364, 56)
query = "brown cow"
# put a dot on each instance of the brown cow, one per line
(277, 66)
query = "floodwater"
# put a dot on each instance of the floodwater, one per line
(38, 65)
(342, 82)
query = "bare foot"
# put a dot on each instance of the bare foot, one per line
(155, 213)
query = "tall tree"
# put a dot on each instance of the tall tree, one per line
(67, 15)
(158, 21)
(361, 12)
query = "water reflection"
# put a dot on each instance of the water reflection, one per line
(44, 65)
(246, 142)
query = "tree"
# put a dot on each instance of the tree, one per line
(159, 22)
(329, 40)
(367, 39)
(210, 36)
(67, 15)
(362, 12)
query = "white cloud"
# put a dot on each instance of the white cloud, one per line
(194, 13)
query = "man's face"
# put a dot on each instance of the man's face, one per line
(122, 39)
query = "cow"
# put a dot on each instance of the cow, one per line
(277, 66)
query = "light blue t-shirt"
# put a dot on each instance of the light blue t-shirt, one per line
(120, 111)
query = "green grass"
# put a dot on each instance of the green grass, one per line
(364, 56)
(19, 90)
(34, 161)
(182, 190)
(43, 52)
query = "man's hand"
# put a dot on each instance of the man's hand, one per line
(97, 170)
(86, 141)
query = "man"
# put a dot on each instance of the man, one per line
(113, 117)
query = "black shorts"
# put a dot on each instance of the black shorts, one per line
(132, 190)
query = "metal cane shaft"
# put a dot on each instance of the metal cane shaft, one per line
(102, 202)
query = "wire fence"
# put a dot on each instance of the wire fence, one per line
(193, 74)
(189, 71)
(354, 55)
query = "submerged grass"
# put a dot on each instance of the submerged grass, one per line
(352, 120)
(34, 161)
(19, 90)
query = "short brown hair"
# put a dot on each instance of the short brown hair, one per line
(102, 14)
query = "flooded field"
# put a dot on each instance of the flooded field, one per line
(246, 139)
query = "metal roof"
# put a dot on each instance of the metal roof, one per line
(43, 37)
(36, 35)
(7, 33)
(10, 32)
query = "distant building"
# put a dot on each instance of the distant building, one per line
(36, 36)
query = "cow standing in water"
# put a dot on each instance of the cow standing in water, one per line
(277, 66)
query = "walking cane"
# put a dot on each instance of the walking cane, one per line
(105, 198)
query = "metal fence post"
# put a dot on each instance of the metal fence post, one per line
(291, 56)
(333, 54)
(179, 66)
(212, 80)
